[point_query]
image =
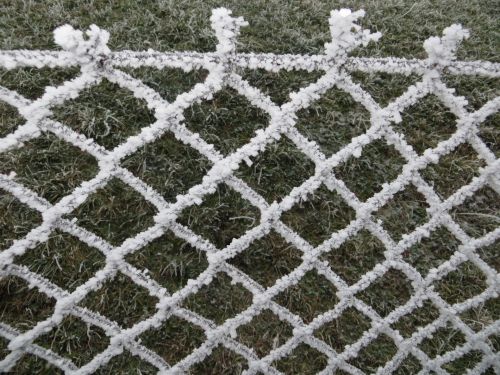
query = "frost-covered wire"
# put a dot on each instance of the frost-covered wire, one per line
(90, 52)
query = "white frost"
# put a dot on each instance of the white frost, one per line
(89, 50)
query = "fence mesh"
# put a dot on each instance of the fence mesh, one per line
(97, 62)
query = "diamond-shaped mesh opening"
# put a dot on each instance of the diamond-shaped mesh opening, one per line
(75, 340)
(488, 132)
(121, 300)
(264, 333)
(302, 360)
(49, 166)
(115, 212)
(279, 85)
(168, 82)
(482, 316)
(31, 364)
(268, 259)
(220, 300)
(454, 170)
(478, 214)
(277, 170)
(494, 342)
(117, 116)
(333, 120)
(409, 366)
(426, 123)
(340, 372)
(31, 82)
(460, 365)
(344, 330)
(221, 361)
(404, 212)
(4, 351)
(378, 164)
(375, 354)
(223, 216)
(463, 283)
(168, 165)
(10, 119)
(431, 251)
(318, 217)
(477, 90)
(490, 255)
(443, 340)
(384, 87)
(311, 296)
(357, 255)
(387, 292)
(23, 307)
(127, 363)
(16, 219)
(174, 339)
(423, 315)
(170, 261)
(228, 120)
(64, 260)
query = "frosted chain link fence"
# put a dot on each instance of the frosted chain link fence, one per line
(89, 51)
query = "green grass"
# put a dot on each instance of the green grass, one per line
(52, 168)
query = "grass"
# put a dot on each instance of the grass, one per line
(52, 168)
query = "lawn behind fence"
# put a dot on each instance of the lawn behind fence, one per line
(53, 168)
